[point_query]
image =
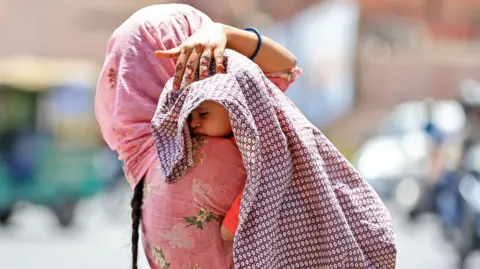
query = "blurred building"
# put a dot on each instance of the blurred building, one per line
(80, 29)
(405, 49)
(323, 38)
(410, 50)
(444, 19)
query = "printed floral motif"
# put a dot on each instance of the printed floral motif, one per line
(197, 143)
(202, 191)
(159, 258)
(203, 217)
(178, 238)
(112, 76)
(288, 75)
(147, 191)
(194, 266)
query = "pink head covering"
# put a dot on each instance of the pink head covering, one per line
(132, 79)
(304, 205)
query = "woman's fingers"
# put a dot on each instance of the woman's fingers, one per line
(181, 65)
(192, 64)
(168, 54)
(196, 55)
(205, 60)
(218, 52)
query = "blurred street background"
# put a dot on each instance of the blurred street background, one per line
(395, 84)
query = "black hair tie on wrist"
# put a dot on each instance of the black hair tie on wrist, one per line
(259, 43)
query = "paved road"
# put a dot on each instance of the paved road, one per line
(34, 242)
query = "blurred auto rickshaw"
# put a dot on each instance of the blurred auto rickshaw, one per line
(51, 151)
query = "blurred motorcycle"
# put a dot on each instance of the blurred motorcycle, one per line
(51, 150)
(458, 205)
(395, 160)
(393, 168)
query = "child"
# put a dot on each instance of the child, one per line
(212, 119)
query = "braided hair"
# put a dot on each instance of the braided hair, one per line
(136, 204)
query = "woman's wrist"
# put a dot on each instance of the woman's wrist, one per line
(241, 41)
(227, 29)
(272, 57)
(230, 34)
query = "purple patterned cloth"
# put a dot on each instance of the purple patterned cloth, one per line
(304, 205)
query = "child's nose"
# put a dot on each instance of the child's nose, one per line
(194, 123)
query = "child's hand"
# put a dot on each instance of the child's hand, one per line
(196, 53)
(226, 234)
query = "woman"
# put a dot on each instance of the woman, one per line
(129, 87)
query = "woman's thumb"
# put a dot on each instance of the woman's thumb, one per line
(168, 54)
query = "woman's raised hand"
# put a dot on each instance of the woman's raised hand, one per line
(196, 54)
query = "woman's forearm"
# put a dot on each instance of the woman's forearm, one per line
(272, 56)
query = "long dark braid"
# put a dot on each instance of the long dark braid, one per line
(136, 205)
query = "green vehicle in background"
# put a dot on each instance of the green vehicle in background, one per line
(51, 151)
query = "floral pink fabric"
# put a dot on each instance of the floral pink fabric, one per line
(181, 221)
(303, 205)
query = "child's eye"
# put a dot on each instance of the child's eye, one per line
(203, 114)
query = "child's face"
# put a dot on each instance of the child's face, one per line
(211, 119)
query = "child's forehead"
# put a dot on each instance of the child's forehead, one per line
(206, 104)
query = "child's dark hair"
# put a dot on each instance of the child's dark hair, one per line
(136, 205)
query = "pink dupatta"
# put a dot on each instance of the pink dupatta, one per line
(132, 79)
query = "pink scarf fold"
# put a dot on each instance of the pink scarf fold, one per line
(304, 205)
(132, 79)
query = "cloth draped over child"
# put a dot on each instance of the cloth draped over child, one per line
(304, 205)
